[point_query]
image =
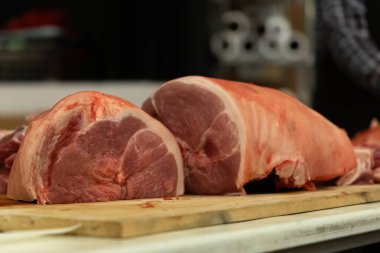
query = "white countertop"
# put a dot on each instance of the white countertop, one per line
(21, 98)
(262, 235)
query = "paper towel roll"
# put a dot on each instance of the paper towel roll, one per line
(277, 27)
(236, 21)
(269, 48)
(296, 48)
(225, 45)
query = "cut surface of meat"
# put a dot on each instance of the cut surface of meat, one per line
(231, 133)
(95, 147)
(4, 174)
(9, 144)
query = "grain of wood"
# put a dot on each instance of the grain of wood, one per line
(129, 218)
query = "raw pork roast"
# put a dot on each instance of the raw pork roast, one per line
(231, 133)
(95, 147)
(9, 144)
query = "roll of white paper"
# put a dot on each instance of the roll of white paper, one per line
(269, 48)
(226, 45)
(236, 21)
(277, 27)
(296, 48)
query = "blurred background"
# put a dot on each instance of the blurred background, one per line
(49, 49)
(81, 40)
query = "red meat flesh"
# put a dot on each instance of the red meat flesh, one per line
(231, 133)
(95, 147)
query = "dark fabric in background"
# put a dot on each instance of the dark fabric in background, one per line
(337, 97)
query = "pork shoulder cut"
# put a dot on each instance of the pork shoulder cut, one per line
(95, 147)
(231, 133)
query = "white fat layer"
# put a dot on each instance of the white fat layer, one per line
(231, 109)
(294, 170)
(364, 162)
(351, 176)
(300, 175)
(365, 154)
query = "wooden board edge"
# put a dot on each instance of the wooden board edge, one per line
(339, 197)
(303, 204)
(86, 228)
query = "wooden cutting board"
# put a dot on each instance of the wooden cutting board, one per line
(121, 219)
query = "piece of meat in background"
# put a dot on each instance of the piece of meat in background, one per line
(368, 137)
(10, 141)
(367, 150)
(4, 175)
